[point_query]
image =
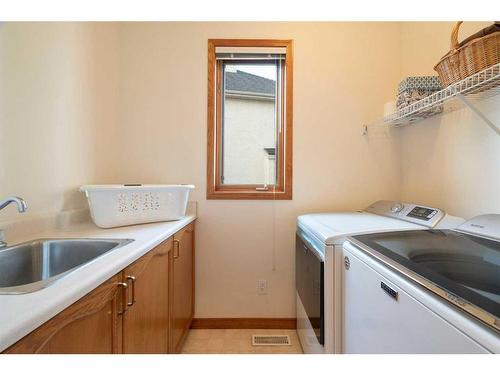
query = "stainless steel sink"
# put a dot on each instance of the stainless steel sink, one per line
(34, 265)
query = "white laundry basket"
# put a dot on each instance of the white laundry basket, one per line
(119, 205)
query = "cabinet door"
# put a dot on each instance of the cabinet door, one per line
(182, 286)
(90, 325)
(146, 319)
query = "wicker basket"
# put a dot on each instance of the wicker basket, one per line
(476, 55)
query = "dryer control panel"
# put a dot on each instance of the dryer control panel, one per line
(423, 215)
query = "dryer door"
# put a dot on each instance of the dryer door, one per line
(309, 276)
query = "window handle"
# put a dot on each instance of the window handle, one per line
(263, 188)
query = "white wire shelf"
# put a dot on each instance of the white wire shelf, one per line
(479, 86)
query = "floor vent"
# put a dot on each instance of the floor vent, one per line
(270, 340)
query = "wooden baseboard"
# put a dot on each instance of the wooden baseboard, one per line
(244, 323)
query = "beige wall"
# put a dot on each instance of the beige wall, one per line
(57, 110)
(341, 79)
(101, 103)
(450, 161)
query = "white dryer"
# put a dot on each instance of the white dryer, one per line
(318, 259)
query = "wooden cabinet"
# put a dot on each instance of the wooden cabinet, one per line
(146, 319)
(146, 308)
(182, 286)
(90, 325)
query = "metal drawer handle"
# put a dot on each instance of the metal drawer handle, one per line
(177, 244)
(124, 297)
(390, 292)
(132, 279)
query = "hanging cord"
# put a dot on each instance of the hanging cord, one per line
(273, 262)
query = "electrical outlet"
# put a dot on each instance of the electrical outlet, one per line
(261, 286)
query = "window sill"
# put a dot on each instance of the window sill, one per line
(249, 195)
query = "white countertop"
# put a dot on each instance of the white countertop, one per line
(22, 313)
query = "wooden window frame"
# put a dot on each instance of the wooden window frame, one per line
(283, 189)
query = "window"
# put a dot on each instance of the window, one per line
(249, 119)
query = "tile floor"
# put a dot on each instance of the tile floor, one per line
(237, 341)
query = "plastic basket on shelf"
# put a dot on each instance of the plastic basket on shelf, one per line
(119, 205)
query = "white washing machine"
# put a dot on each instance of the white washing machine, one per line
(318, 261)
(423, 292)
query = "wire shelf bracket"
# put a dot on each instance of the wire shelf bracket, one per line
(474, 109)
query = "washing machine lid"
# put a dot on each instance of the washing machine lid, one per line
(333, 228)
(461, 267)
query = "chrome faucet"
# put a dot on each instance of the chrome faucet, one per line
(21, 207)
